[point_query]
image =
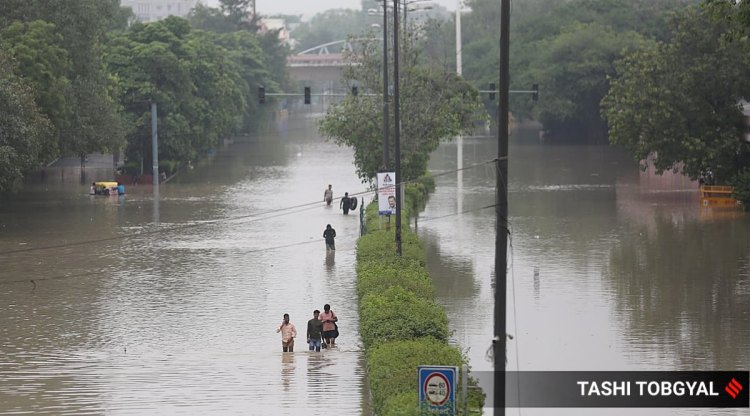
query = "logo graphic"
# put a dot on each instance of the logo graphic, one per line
(733, 388)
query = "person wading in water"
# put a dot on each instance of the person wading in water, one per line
(329, 325)
(288, 332)
(346, 203)
(329, 234)
(328, 195)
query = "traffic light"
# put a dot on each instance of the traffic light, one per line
(262, 94)
(492, 91)
(307, 95)
(355, 90)
(535, 87)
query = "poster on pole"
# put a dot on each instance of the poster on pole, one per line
(386, 193)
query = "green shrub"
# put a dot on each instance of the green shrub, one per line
(131, 168)
(403, 404)
(397, 314)
(376, 276)
(381, 246)
(400, 324)
(392, 368)
(169, 166)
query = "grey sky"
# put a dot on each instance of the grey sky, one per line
(310, 7)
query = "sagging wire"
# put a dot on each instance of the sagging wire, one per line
(252, 217)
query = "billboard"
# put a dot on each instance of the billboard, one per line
(386, 193)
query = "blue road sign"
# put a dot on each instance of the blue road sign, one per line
(437, 389)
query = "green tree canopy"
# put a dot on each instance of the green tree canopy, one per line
(571, 83)
(679, 101)
(190, 77)
(435, 105)
(22, 127)
(79, 28)
(44, 64)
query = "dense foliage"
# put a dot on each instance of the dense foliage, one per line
(56, 48)
(23, 128)
(679, 101)
(401, 325)
(568, 47)
(91, 72)
(435, 105)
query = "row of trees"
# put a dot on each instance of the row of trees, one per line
(680, 101)
(56, 92)
(76, 78)
(663, 78)
(568, 47)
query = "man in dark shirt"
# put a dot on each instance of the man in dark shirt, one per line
(315, 332)
(346, 203)
(329, 234)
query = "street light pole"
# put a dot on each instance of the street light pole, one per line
(459, 139)
(397, 122)
(154, 149)
(501, 213)
(386, 127)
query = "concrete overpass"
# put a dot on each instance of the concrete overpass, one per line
(320, 67)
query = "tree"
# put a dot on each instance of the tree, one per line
(211, 19)
(81, 26)
(679, 101)
(540, 32)
(193, 80)
(245, 51)
(435, 106)
(44, 64)
(22, 127)
(573, 67)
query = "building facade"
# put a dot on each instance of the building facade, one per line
(153, 10)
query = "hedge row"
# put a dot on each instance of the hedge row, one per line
(401, 325)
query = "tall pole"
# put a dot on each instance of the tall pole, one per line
(501, 213)
(397, 122)
(459, 139)
(386, 127)
(154, 148)
(459, 64)
(405, 6)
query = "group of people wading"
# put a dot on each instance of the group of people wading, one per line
(346, 204)
(322, 331)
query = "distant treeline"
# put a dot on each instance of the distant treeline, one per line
(77, 77)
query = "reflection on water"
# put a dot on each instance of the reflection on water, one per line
(174, 309)
(605, 273)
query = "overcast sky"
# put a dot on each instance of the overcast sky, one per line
(310, 7)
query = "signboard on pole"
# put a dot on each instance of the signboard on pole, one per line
(437, 389)
(386, 193)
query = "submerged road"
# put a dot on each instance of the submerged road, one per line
(183, 320)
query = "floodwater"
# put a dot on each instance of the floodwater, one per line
(172, 305)
(608, 270)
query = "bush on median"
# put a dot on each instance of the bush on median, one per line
(398, 314)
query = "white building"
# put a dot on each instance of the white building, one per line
(153, 10)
